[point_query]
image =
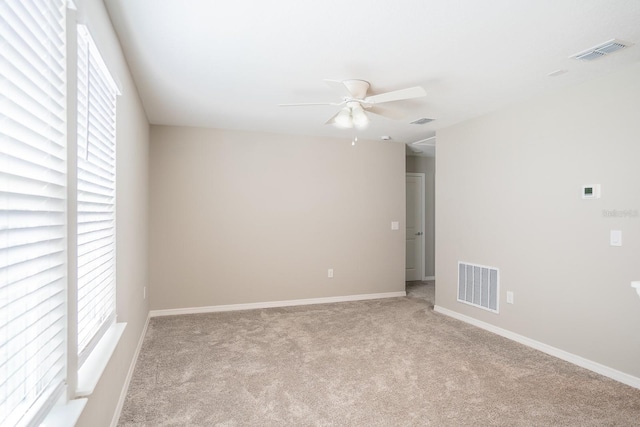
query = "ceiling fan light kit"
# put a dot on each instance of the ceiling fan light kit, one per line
(360, 119)
(343, 118)
(354, 95)
(351, 116)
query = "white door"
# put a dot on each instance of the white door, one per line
(414, 267)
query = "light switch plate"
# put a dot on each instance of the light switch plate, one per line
(395, 225)
(616, 238)
(636, 286)
(509, 297)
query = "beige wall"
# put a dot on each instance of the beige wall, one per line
(427, 166)
(508, 195)
(131, 217)
(243, 217)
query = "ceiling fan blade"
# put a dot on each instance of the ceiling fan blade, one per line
(310, 104)
(387, 112)
(339, 87)
(396, 95)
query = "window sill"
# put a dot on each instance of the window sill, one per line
(91, 371)
(64, 415)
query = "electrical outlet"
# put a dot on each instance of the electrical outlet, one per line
(330, 273)
(509, 297)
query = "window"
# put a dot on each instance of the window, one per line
(39, 210)
(96, 196)
(32, 208)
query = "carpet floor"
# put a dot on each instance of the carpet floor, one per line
(389, 362)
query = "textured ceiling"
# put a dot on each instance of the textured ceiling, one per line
(227, 64)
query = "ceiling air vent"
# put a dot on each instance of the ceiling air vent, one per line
(422, 121)
(601, 50)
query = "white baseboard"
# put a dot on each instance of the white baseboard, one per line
(429, 278)
(272, 304)
(614, 374)
(127, 381)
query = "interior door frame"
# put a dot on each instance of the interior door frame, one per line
(422, 178)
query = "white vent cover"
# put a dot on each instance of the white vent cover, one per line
(601, 50)
(478, 285)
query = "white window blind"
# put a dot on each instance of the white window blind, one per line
(96, 196)
(32, 208)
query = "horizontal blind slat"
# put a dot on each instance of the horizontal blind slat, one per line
(97, 298)
(32, 146)
(88, 181)
(34, 36)
(16, 328)
(23, 128)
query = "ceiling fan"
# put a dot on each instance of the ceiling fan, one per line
(356, 101)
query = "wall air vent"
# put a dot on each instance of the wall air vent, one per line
(478, 285)
(601, 50)
(422, 121)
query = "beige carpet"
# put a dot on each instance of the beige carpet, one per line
(391, 362)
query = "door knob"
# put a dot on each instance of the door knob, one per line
(419, 233)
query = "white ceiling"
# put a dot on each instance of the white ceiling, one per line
(227, 64)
